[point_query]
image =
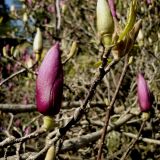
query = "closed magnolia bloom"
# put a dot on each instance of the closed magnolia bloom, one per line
(148, 1)
(144, 96)
(49, 83)
(38, 42)
(29, 2)
(112, 8)
(105, 23)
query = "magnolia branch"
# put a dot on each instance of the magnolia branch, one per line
(68, 144)
(21, 64)
(91, 137)
(12, 140)
(23, 108)
(12, 76)
(110, 108)
(147, 140)
(133, 142)
(24, 69)
(81, 141)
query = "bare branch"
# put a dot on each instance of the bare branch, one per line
(110, 108)
(20, 108)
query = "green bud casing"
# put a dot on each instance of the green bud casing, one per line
(38, 42)
(25, 17)
(124, 46)
(48, 123)
(131, 19)
(51, 154)
(105, 23)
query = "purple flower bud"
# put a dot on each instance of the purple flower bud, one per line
(148, 1)
(51, 9)
(112, 8)
(25, 99)
(27, 130)
(29, 2)
(18, 123)
(144, 96)
(49, 83)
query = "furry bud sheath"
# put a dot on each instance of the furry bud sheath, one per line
(49, 83)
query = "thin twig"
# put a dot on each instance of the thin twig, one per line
(12, 76)
(58, 17)
(78, 142)
(10, 122)
(12, 140)
(94, 137)
(147, 140)
(23, 156)
(24, 108)
(18, 147)
(17, 73)
(83, 140)
(133, 142)
(5, 153)
(22, 65)
(110, 108)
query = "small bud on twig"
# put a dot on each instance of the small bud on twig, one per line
(38, 43)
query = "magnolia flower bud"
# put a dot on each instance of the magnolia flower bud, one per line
(24, 6)
(38, 42)
(72, 51)
(63, 5)
(105, 23)
(28, 61)
(49, 83)
(29, 2)
(140, 36)
(112, 7)
(25, 17)
(12, 8)
(144, 96)
(148, 1)
(51, 154)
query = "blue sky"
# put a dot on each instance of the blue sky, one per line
(15, 2)
(9, 2)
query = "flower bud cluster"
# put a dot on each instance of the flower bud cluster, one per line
(109, 29)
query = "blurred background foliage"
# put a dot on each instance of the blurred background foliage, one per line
(18, 22)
